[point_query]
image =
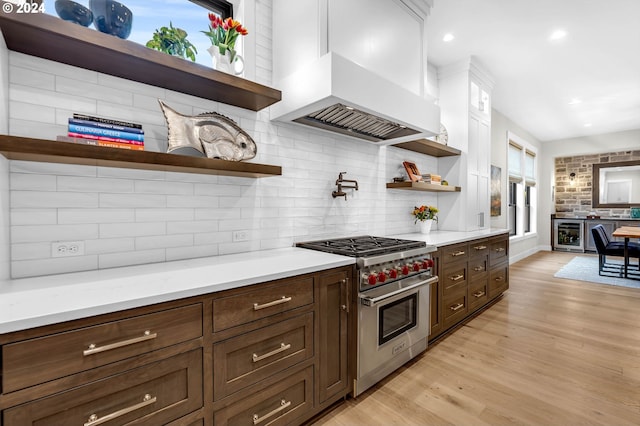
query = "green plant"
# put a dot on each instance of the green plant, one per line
(173, 41)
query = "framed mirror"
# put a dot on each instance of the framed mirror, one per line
(616, 185)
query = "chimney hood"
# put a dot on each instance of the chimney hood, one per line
(337, 95)
(368, 84)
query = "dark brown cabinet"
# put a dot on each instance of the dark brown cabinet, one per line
(270, 353)
(471, 274)
(154, 394)
(333, 339)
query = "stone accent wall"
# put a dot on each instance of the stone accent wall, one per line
(575, 197)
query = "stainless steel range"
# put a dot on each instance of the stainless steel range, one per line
(394, 276)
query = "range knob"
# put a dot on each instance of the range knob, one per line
(372, 279)
(382, 277)
(393, 273)
(416, 266)
(427, 263)
(405, 269)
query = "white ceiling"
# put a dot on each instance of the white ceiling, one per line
(597, 62)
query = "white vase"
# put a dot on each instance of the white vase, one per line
(223, 62)
(425, 226)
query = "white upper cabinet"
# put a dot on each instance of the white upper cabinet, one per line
(479, 97)
(465, 102)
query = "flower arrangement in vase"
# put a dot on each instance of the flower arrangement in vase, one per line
(223, 35)
(426, 215)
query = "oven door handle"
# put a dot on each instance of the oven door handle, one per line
(373, 301)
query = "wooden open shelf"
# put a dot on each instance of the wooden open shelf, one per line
(49, 37)
(425, 146)
(422, 186)
(28, 149)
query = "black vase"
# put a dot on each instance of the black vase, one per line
(111, 17)
(74, 12)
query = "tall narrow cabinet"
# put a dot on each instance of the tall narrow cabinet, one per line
(465, 102)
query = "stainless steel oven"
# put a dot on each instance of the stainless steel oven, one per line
(394, 276)
(393, 327)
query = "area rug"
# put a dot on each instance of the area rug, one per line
(585, 268)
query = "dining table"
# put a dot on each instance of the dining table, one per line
(627, 232)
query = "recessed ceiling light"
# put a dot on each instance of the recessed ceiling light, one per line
(448, 37)
(587, 124)
(557, 35)
(575, 101)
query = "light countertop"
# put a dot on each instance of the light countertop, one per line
(33, 302)
(37, 301)
(445, 238)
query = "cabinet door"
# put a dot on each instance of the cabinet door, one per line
(435, 309)
(154, 394)
(333, 320)
(284, 403)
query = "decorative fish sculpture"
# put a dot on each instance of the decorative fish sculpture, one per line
(210, 133)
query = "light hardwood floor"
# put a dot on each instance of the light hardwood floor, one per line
(551, 352)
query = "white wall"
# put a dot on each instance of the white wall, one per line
(129, 216)
(609, 142)
(501, 125)
(4, 163)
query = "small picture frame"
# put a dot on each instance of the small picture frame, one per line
(412, 171)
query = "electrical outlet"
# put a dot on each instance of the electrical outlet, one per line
(67, 248)
(240, 236)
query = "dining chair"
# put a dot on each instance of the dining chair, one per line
(606, 247)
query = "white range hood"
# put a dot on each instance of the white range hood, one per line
(322, 88)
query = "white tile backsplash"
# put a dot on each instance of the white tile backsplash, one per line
(131, 216)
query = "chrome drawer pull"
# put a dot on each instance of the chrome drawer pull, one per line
(93, 349)
(257, 307)
(479, 294)
(499, 278)
(282, 348)
(456, 307)
(478, 268)
(283, 405)
(500, 249)
(456, 277)
(457, 253)
(480, 247)
(94, 420)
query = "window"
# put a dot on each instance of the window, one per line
(191, 16)
(522, 190)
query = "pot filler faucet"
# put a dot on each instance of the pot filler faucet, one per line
(339, 183)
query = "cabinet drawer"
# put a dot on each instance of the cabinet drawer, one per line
(498, 280)
(35, 361)
(151, 395)
(453, 278)
(262, 301)
(478, 294)
(249, 358)
(454, 253)
(277, 405)
(478, 267)
(499, 251)
(455, 307)
(479, 248)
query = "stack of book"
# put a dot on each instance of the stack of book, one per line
(432, 179)
(89, 130)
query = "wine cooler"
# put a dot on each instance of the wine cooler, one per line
(568, 235)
